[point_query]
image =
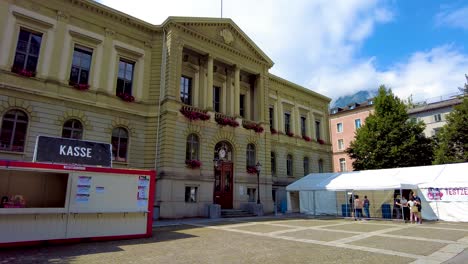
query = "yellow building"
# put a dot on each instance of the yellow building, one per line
(171, 97)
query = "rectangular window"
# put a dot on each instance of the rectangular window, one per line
(216, 98)
(271, 116)
(289, 166)
(125, 77)
(437, 118)
(251, 192)
(303, 125)
(306, 165)
(27, 52)
(342, 164)
(81, 65)
(317, 129)
(242, 105)
(339, 127)
(186, 90)
(320, 166)
(340, 144)
(273, 164)
(357, 123)
(191, 194)
(287, 122)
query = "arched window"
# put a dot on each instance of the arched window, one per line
(306, 165)
(289, 165)
(13, 133)
(72, 129)
(191, 151)
(251, 155)
(320, 165)
(119, 144)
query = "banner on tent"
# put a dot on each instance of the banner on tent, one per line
(446, 194)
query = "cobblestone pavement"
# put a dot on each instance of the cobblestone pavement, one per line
(268, 240)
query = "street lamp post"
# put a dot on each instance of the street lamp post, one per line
(259, 168)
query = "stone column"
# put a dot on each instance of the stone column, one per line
(247, 104)
(209, 89)
(108, 63)
(260, 100)
(280, 115)
(237, 91)
(309, 125)
(7, 28)
(229, 94)
(60, 31)
(298, 120)
(202, 84)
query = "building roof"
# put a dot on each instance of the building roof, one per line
(352, 107)
(419, 108)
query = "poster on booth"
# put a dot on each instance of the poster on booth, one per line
(83, 188)
(143, 191)
(446, 194)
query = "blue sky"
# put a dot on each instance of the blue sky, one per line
(339, 47)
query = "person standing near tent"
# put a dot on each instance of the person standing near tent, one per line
(366, 206)
(397, 207)
(417, 200)
(406, 211)
(357, 208)
(413, 210)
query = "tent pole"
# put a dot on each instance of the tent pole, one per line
(315, 204)
(352, 204)
(346, 203)
(336, 203)
(401, 206)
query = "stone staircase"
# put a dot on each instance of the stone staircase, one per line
(230, 213)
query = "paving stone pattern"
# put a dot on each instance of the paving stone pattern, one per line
(267, 240)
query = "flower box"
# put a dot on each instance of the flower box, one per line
(273, 131)
(224, 121)
(193, 164)
(126, 97)
(80, 86)
(321, 141)
(253, 126)
(290, 134)
(194, 115)
(306, 138)
(23, 72)
(252, 170)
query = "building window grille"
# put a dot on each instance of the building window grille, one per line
(72, 129)
(125, 77)
(27, 51)
(119, 144)
(81, 65)
(13, 131)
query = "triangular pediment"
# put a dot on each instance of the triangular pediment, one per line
(223, 31)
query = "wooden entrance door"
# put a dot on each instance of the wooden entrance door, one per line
(223, 185)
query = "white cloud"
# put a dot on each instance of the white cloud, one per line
(453, 18)
(316, 43)
(436, 72)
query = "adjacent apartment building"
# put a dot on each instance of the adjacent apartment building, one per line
(344, 121)
(433, 114)
(192, 98)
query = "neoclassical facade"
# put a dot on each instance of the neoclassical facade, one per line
(192, 98)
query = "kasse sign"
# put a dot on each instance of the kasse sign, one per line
(72, 151)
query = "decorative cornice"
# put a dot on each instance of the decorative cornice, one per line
(115, 15)
(62, 16)
(214, 42)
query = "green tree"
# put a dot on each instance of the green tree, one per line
(388, 139)
(452, 139)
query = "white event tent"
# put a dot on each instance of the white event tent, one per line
(443, 189)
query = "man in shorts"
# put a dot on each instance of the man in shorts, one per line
(417, 200)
